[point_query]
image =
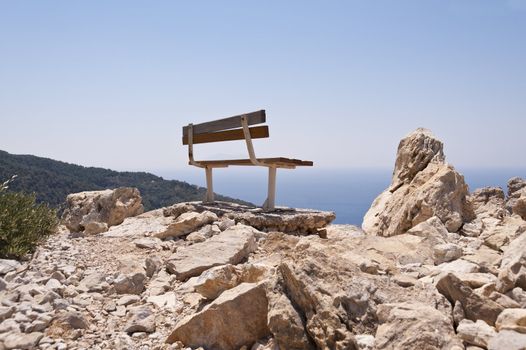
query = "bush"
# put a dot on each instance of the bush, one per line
(23, 223)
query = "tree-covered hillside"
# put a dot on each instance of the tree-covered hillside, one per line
(53, 180)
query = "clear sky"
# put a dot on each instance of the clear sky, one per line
(110, 83)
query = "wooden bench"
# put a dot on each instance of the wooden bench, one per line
(237, 128)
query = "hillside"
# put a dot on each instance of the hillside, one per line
(53, 180)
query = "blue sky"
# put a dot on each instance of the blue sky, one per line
(110, 83)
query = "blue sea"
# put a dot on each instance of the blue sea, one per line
(348, 192)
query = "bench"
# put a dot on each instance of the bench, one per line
(237, 128)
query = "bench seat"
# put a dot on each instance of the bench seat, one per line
(286, 162)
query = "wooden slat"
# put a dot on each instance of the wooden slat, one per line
(257, 132)
(257, 117)
(270, 161)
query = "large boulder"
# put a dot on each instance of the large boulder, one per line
(237, 318)
(499, 234)
(231, 246)
(95, 211)
(516, 203)
(488, 202)
(423, 186)
(513, 266)
(286, 325)
(414, 326)
(475, 306)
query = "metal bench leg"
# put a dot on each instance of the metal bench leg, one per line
(209, 186)
(271, 198)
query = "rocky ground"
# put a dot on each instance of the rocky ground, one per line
(434, 267)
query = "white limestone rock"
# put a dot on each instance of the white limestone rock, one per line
(446, 252)
(93, 212)
(237, 318)
(423, 186)
(188, 222)
(477, 333)
(512, 319)
(229, 247)
(508, 340)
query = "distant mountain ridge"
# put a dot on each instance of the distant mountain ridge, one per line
(52, 180)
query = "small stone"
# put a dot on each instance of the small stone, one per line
(22, 341)
(167, 300)
(61, 304)
(130, 284)
(196, 237)
(68, 270)
(519, 295)
(10, 326)
(92, 282)
(226, 223)
(21, 318)
(70, 292)
(446, 252)
(74, 320)
(46, 340)
(404, 281)
(364, 341)
(322, 233)
(110, 306)
(37, 326)
(193, 299)
(210, 230)
(148, 243)
(152, 265)
(459, 266)
(6, 312)
(128, 299)
(140, 319)
(58, 276)
(3, 284)
(139, 335)
(54, 285)
(120, 311)
(7, 265)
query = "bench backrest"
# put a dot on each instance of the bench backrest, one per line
(227, 129)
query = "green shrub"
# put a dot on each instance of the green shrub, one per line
(23, 223)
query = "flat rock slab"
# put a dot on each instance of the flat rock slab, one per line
(237, 318)
(151, 223)
(288, 220)
(229, 247)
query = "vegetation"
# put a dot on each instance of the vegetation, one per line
(52, 181)
(23, 222)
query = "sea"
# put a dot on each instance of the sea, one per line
(347, 192)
